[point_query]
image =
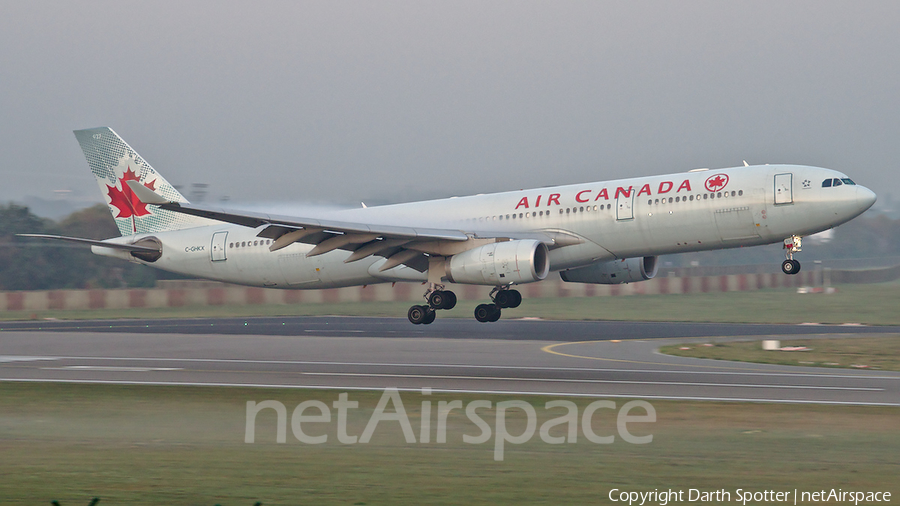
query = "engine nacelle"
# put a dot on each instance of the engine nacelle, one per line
(500, 263)
(614, 272)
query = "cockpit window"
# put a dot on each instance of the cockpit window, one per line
(838, 181)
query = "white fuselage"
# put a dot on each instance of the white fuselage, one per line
(647, 216)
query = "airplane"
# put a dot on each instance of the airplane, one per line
(606, 232)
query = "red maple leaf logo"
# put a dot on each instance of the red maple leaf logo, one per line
(716, 182)
(125, 201)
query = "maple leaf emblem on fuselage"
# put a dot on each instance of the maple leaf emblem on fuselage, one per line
(716, 182)
(125, 201)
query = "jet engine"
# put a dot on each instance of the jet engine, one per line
(500, 263)
(614, 272)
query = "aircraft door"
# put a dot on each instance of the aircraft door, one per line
(784, 193)
(625, 205)
(217, 248)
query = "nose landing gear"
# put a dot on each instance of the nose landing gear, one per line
(792, 245)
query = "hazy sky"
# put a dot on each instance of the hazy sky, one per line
(337, 102)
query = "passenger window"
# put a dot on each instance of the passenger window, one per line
(837, 182)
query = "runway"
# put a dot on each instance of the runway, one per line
(597, 359)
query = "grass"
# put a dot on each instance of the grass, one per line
(882, 352)
(184, 445)
(870, 304)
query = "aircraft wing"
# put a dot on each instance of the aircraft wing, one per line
(399, 244)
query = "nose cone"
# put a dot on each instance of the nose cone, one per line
(865, 198)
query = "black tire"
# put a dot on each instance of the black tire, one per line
(429, 318)
(484, 312)
(796, 266)
(502, 298)
(449, 299)
(788, 266)
(417, 314)
(515, 299)
(495, 315)
(437, 299)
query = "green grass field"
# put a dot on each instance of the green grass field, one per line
(182, 445)
(870, 304)
(878, 353)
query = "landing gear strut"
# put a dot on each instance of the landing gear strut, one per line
(502, 297)
(792, 245)
(437, 298)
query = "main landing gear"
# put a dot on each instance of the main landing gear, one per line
(502, 297)
(438, 298)
(792, 245)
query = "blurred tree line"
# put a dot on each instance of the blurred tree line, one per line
(32, 264)
(40, 264)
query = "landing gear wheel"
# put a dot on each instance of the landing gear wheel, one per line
(437, 299)
(515, 298)
(442, 299)
(502, 298)
(429, 318)
(449, 300)
(790, 266)
(419, 314)
(508, 298)
(487, 313)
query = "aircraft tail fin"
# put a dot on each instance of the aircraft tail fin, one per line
(114, 163)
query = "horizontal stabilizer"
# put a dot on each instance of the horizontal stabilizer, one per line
(92, 242)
